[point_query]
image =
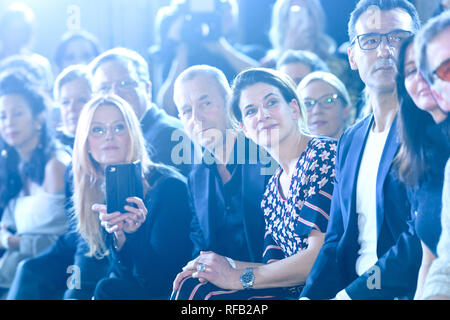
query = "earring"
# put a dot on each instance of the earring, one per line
(4, 153)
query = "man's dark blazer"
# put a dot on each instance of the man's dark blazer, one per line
(398, 247)
(158, 127)
(201, 183)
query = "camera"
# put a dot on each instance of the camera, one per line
(202, 20)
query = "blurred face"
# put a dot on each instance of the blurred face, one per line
(18, 127)
(438, 53)
(72, 98)
(108, 138)
(377, 67)
(297, 71)
(201, 108)
(121, 78)
(78, 51)
(16, 35)
(416, 86)
(267, 118)
(327, 112)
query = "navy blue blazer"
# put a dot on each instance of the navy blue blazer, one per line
(398, 247)
(203, 223)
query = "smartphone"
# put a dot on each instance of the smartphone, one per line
(123, 181)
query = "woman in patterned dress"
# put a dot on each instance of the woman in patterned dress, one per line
(296, 203)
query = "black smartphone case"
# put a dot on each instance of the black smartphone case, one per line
(122, 181)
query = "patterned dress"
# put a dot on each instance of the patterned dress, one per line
(289, 221)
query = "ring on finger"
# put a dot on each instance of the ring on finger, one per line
(201, 267)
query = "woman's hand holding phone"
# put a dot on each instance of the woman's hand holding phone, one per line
(121, 223)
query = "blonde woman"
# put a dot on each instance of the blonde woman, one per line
(328, 103)
(296, 203)
(149, 243)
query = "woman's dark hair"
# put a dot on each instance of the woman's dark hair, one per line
(269, 76)
(10, 175)
(415, 148)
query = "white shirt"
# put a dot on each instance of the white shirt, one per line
(366, 204)
(366, 200)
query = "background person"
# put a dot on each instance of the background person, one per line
(72, 90)
(183, 44)
(31, 175)
(298, 63)
(76, 47)
(425, 136)
(328, 103)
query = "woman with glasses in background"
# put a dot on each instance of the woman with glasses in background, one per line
(328, 103)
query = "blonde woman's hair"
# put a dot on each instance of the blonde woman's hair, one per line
(89, 176)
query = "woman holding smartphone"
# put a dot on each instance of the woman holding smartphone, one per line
(146, 247)
(296, 203)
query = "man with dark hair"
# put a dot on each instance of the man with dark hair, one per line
(371, 250)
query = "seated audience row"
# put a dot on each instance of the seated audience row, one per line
(264, 189)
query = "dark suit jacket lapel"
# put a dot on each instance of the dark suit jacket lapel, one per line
(202, 202)
(389, 152)
(356, 151)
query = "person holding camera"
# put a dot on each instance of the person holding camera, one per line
(144, 245)
(193, 33)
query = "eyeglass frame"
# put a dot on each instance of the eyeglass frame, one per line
(380, 37)
(131, 84)
(108, 128)
(435, 73)
(335, 96)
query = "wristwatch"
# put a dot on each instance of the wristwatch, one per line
(247, 278)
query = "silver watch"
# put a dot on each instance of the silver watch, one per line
(247, 278)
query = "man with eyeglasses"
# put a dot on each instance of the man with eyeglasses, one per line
(433, 60)
(371, 250)
(125, 73)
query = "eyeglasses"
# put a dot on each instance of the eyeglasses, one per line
(370, 41)
(120, 86)
(98, 131)
(443, 71)
(327, 102)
